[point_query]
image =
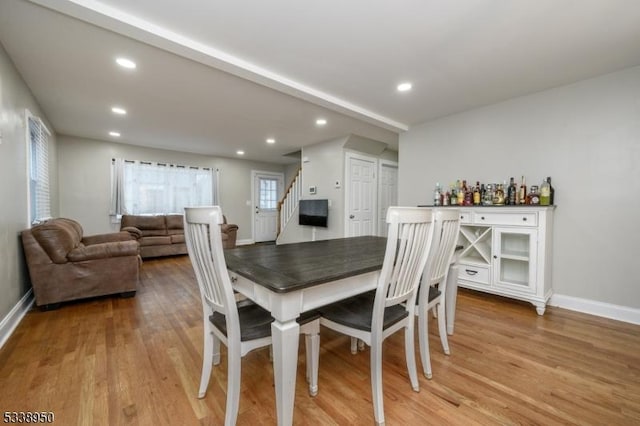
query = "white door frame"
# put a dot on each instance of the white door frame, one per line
(347, 187)
(382, 163)
(254, 174)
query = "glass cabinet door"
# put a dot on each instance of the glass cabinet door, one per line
(514, 260)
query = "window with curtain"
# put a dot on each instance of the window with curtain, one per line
(38, 164)
(140, 187)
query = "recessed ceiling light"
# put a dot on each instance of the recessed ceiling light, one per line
(114, 134)
(404, 87)
(240, 152)
(321, 121)
(118, 110)
(126, 63)
(271, 140)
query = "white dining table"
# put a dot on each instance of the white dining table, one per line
(290, 279)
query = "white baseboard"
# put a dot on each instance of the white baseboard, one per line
(245, 242)
(13, 318)
(601, 309)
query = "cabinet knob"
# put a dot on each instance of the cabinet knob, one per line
(482, 217)
(524, 219)
(495, 257)
(461, 217)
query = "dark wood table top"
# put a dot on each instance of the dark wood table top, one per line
(289, 267)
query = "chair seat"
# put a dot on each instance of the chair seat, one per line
(356, 312)
(255, 322)
(307, 317)
(433, 294)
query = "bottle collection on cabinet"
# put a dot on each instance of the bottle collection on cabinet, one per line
(494, 194)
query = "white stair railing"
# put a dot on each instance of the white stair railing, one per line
(287, 206)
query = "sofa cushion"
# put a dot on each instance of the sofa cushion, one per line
(155, 241)
(103, 250)
(57, 238)
(177, 238)
(175, 224)
(148, 225)
(72, 224)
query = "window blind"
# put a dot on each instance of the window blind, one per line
(39, 191)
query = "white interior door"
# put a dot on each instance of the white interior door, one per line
(361, 195)
(387, 193)
(267, 189)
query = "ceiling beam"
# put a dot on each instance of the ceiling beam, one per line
(112, 19)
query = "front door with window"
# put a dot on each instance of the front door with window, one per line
(267, 188)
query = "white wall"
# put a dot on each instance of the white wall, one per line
(586, 136)
(290, 171)
(322, 165)
(15, 97)
(84, 166)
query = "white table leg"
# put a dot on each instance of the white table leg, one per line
(450, 297)
(285, 338)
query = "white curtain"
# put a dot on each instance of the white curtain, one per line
(117, 193)
(140, 187)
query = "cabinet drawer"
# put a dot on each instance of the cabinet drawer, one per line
(465, 216)
(476, 273)
(504, 218)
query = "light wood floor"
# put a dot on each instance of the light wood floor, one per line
(137, 361)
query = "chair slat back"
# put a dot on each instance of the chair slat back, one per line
(204, 245)
(446, 229)
(408, 243)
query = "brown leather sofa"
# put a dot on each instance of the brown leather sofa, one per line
(65, 265)
(163, 235)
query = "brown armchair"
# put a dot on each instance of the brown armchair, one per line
(64, 265)
(229, 233)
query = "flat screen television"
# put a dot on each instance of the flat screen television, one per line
(313, 212)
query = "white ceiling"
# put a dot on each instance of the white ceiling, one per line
(217, 76)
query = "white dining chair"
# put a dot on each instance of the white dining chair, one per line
(375, 315)
(434, 280)
(242, 326)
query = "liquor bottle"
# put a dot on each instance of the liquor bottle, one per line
(446, 199)
(454, 196)
(436, 195)
(476, 194)
(468, 197)
(460, 194)
(534, 196)
(552, 192)
(511, 193)
(523, 192)
(498, 195)
(545, 193)
(488, 195)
